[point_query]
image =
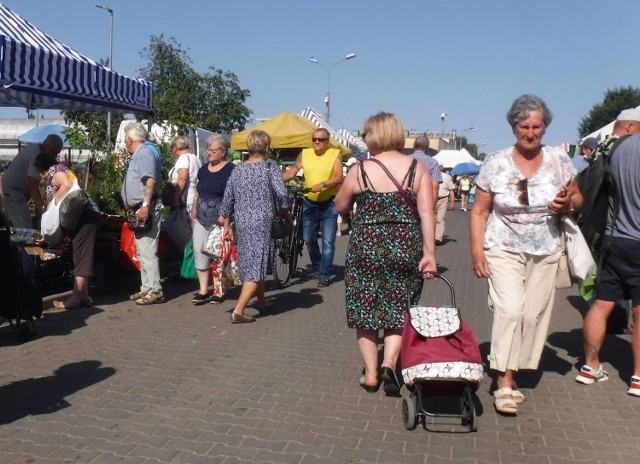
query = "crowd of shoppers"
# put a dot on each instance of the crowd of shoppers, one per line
(515, 231)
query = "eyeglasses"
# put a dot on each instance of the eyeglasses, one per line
(523, 192)
(212, 150)
(317, 139)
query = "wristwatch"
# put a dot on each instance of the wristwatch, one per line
(324, 185)
(145, 204)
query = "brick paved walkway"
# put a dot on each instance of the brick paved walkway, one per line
(178, 384)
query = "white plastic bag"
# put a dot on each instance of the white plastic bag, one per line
(50, 227)
(581, 261)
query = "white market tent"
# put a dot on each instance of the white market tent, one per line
(37, 71)
(601, 133)
(450, 158)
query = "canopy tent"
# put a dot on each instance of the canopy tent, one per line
(359, 150)
(37, 71)
(287, 130)
(450, 158)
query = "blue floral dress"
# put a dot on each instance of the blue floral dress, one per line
(248, 198)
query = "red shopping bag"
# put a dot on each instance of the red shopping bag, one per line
(224, 271)
(129, 256)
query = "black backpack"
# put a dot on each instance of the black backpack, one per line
(600, 192)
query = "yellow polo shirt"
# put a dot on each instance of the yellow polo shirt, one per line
(319, 169)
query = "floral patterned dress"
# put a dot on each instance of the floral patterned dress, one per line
(382, 258)
(248, 198)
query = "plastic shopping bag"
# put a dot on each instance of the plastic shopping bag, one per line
(224, 271)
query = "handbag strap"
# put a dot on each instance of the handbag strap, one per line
(398, 186)
(273, 194)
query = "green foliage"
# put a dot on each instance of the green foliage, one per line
(615, 100)
(105, 187)
(95, 124)
(186, 98)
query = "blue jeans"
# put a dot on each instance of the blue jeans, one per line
(314, 216)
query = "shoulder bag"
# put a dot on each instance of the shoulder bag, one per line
(74, 203)
(398, 186)
(575, 257)
(133, 219)
(280, 225)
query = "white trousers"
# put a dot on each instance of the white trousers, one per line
(521, 295)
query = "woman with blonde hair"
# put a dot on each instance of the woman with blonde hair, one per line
(391, 245)
(248, 198)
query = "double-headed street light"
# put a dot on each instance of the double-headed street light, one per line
(327, 98)
(472, 128)
(110, 11)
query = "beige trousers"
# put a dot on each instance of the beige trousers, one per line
(441, 212)
(521, 295)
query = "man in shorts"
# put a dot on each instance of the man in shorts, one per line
(618, 278)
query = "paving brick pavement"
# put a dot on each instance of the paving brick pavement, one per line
(175, 383)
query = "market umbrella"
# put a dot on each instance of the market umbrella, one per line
(465, 168)
(39, 133)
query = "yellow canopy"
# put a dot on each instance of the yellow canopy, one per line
(287, 130)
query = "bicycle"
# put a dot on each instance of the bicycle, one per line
(289, 249)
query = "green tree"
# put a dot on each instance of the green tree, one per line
(95, 126)
(184, 97)
(615, 100)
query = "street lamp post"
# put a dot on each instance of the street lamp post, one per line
(327, 98)
(472, 128)
(110, 11)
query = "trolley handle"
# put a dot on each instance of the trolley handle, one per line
(441, 277)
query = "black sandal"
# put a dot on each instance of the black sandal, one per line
(391, 385)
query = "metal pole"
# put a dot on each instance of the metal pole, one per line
(110, 11)
(327, 98)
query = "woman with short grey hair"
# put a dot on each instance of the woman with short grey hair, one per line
(515, 242)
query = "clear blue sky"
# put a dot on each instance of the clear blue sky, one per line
(416, 58)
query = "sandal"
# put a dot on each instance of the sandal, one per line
(504, 401)
(517, 395)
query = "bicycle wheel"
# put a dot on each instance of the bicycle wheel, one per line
(284, 262)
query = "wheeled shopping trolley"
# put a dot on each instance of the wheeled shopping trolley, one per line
(441, 365)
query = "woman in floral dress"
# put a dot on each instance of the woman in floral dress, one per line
(391, 245)
(248, 198)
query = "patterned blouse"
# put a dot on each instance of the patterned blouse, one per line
(513, 225)
(52, 187)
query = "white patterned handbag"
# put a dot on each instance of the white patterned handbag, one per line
(212, 245)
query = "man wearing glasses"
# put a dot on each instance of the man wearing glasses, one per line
(322, 168)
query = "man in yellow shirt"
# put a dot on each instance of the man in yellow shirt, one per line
(322, 167)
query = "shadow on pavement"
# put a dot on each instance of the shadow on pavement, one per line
(45, 395)
(52, 323)
(616, 350)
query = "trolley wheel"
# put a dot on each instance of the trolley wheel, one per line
(471, 421)
(283, 269)
(409, 416)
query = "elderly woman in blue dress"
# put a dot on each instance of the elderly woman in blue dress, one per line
(248, 198)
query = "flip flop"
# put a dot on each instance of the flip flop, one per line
(368, 388)
(391, 385)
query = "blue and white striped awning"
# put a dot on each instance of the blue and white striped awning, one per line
(37, 71)
(358, 150)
